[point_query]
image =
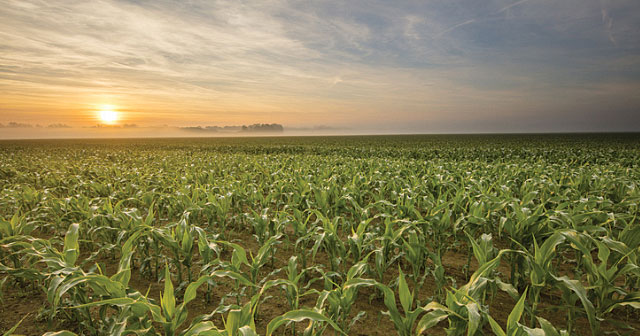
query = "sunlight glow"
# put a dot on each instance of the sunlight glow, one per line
(108, 116)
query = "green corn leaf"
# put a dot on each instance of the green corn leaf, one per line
(71, 246)
(406, 298)
(128, 245)
(66, 286)
(232, 323)
(168, 299)
(430, 319)
(478, 252)
(495, 327)
(277, 282)
(300, 315)
(474, 318)
(483, 270)
(192, 288)
(549, 329)
(239, 255)
(357, 269)
(516, 313)
(633, 304)
(543, 255)
(114, 302)
(576, 287)
(124, 271)
(201, 329)
(190, 292)
(247, 331)
(233, 275)
(507, 288)
(53, 288)
(530, 331)
(105, 286)
(6, 228)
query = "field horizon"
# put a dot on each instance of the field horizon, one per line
(319, 135)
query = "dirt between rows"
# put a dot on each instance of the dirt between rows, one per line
(19, 302)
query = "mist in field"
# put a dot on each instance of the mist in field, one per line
(170, 132)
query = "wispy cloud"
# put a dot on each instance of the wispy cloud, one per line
(607, 21)
(511, 5)
(456, 26)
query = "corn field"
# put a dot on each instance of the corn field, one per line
(379, 235)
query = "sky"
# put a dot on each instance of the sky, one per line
(432, 66)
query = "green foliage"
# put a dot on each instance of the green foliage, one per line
(309, 223)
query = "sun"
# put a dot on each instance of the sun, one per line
(108, 116)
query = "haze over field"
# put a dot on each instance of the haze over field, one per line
(151, 68)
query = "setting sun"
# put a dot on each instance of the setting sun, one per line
(109, 116)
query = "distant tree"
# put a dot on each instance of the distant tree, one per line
(243, 128)
(263, 128)
(59, 125)
(14, 124)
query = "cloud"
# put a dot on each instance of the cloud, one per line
(307, 63)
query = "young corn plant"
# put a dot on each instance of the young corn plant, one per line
(464, 307)
(541, 270)
(514, 328)
(603, 293)
(293, 286)
(209, 252)
(239, 260)
(438, 227)
(416, 255)
(360, 240)
(63, 272)
(220, 208)
(17, 225)
(389, 241)
(328, 237)
(484, 251)
(110, 289)
(405, 321)
(239, 321)
(179, 238)
(263, 225)
(521, 225)
(304, 230)
(167, 313)
(338, 298)
(573, 290)
(439, 275)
